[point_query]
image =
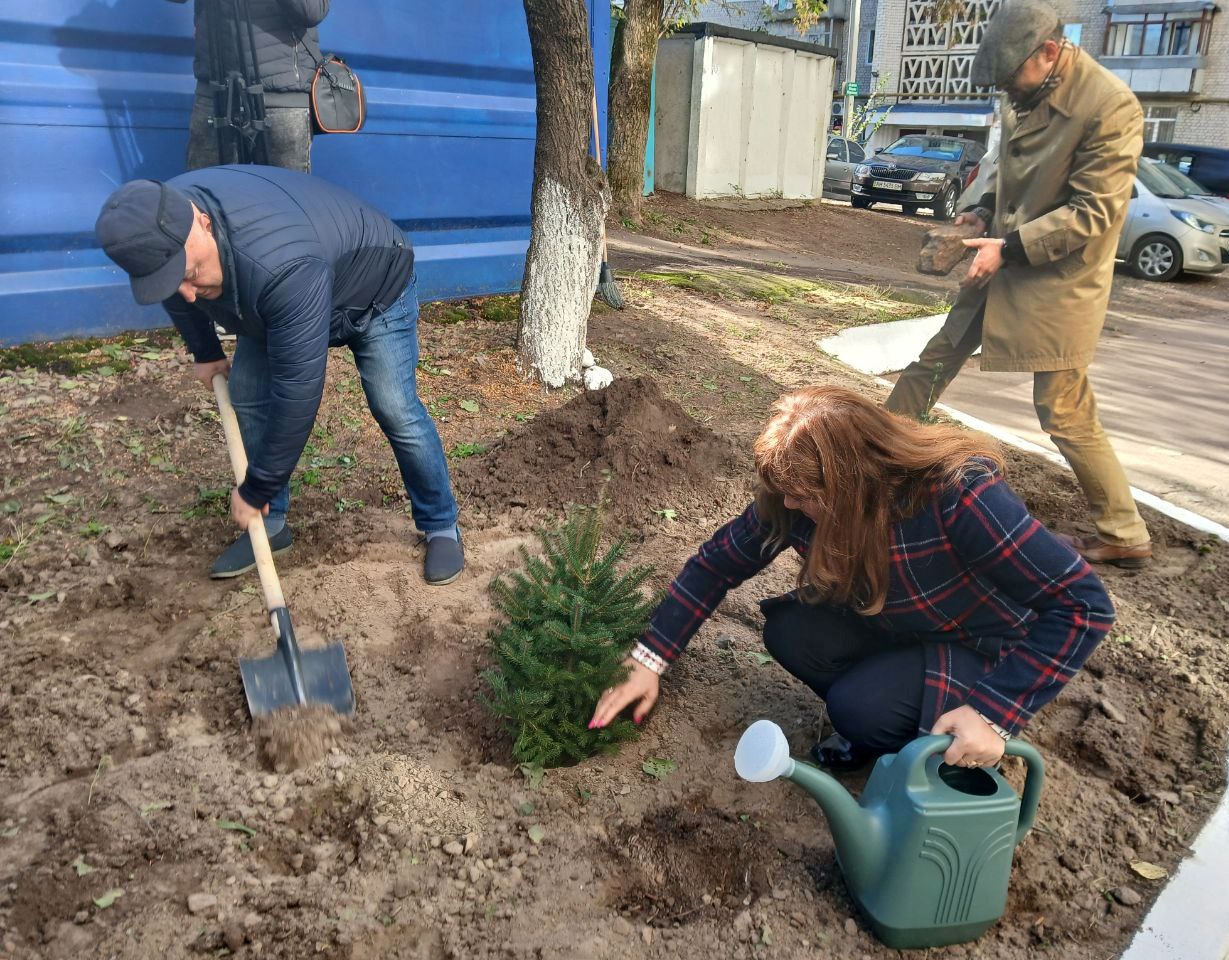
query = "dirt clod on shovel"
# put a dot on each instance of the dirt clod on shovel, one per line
(299, 736)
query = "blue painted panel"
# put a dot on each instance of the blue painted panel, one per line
(96, 92)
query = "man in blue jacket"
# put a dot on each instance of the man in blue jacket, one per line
(292, 265)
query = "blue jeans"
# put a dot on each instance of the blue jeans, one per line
(386, 355)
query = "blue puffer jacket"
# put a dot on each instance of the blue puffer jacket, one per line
(305, 266)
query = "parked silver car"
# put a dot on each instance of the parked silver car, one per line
(843, 156)
(1174, 224)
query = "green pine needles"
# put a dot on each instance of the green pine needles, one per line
(571, 618)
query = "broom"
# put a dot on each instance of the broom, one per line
(606, 287)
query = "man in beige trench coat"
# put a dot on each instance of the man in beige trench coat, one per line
(1035, 295)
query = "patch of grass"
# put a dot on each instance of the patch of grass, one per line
(740, 284)
(463, 450)
(501, 309)
(210, 502)
(797, 301)
(344, 504)
(71, 357)
(445, 314)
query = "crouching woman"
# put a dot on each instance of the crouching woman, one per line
(929, 599)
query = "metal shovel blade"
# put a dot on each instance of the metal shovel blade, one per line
(294, 677)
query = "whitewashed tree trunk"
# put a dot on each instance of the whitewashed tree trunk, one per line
(570, 197)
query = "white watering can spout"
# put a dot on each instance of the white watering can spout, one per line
(763, 753)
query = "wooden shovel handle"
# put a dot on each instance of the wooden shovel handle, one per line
(269, 582)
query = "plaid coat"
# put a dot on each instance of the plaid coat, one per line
(973, 568)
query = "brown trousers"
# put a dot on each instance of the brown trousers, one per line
(1067, 411)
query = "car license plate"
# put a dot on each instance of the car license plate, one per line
(887, 185)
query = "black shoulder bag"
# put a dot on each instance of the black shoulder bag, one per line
(339, 103)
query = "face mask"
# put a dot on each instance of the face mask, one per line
(1023, 104)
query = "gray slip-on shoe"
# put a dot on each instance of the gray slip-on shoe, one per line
(238, 558)
(445, 560)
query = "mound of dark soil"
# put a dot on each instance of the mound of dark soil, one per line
(629, 441)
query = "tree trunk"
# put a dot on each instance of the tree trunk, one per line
(631, 77)
(570, 197)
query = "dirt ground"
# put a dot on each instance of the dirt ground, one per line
(137, 818)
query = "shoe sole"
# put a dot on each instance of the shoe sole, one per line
(1128, 563)
(444, 583)
(230, 574)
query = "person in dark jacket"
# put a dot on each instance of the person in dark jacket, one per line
(929, 600)
(292, 265)
(287, 50)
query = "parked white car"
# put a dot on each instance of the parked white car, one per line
(1173, 223)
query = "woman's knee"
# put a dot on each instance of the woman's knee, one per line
(852, 716)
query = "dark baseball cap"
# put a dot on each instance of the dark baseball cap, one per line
(143, 227)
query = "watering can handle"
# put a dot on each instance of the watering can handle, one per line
(1032, 783)
(915, 754)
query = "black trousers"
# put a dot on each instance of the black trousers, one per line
(871, 683)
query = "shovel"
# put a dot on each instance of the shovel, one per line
(291, 676)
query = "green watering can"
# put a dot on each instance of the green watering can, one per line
(926, 851)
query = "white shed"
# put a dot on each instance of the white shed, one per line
(741, 113)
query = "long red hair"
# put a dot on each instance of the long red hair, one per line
(866, 469)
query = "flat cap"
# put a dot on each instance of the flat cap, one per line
(1015, 31)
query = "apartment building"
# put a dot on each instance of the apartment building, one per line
(1173, 53)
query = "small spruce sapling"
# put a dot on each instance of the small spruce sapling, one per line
(570, 618)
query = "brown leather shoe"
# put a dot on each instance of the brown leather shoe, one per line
(1095, 550)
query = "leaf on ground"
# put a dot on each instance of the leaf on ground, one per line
(81, 866)
(69, 385)
(533, 774)
(469, 406)
(667, 514)
(536, 833)
(59, 499)
(9, 832)
(105, 371)
(659, 767)
(108, 898)
(148, 808)
(40, 597)
(761, 658)
(151, 355)
(10, 506)
(525, 809)
(233, 825)
(1149, 871)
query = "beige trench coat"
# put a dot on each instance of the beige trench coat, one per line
(1065, 176)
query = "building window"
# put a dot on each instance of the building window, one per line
(1157, 34)
(1159, 123)
(870, 46)
(1073, 32)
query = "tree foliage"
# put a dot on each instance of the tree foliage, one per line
(569, 619)
(872, 115)
(679, 12)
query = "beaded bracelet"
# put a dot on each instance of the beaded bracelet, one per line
(647, 658)
(995, 727)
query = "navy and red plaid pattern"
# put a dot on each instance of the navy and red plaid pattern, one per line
(974, 568)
